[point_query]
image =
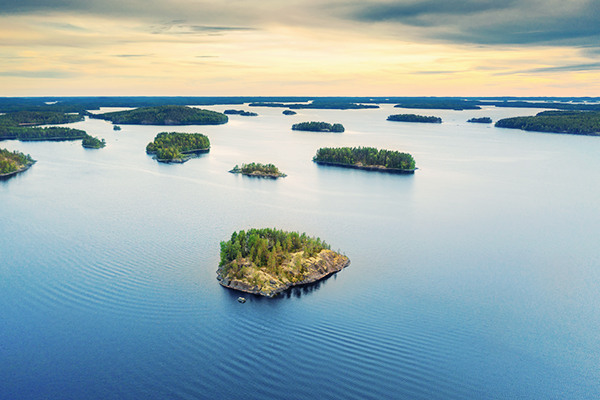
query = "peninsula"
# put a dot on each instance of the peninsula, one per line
(414, 118)
(259, 170)
(13, 162)
(318, 127)
(573, 122)
(177, 147)
(164, 115)
(367, 158)
(268, 261)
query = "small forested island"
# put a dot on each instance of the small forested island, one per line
(318, 127)
(13, 162)
(164, 115)
(268, 261)
(414, 118)
(259, 170)
(368, 158)
(90, 142)
(289, 112)
(482, 120)
(177, 147)
(116, 128)
(241, 112)
(573, 122)
(40, 134)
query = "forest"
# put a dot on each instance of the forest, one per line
(289, 112)
(414, 118)
(482, 120)
(169, 146)
(24, 118)
(241, 112)
(266, 248)
(366, 156)
(12, 161)
(573, 122)
(40, 134)
(457, 105)
(318, 105)
(90, 142)
(258, 169)
(318, 127)
(164, 115)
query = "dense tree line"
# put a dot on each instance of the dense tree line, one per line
(457, 105)
(317, 105)
(266, 248)
(289, 112)
(39, 134)
(165, 115)
(318, 127)
(366, 156)
(12, 161)
(172, 145)
(241, 112)
(482, 120)
(90, 142)
(21, 118)
(266, 169)
(574, 122)
(414, 118)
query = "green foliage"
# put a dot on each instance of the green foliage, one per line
(39, 134)
(318, 127)
(366, 156)
(24, 118)
(258, 169)
(116, 128)
(165, 115)
(289, 112)
(574, 122)
(12, 161)
(172, 145)
(241, 112)
(458, 105)
(93, 142)
(482, 120)
(414, 118)
(267, 248)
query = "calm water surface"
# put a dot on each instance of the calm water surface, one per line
(475, 278)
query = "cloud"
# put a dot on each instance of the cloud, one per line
(47, 74)
(564, 68)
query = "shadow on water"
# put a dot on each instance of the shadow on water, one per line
(295, 291)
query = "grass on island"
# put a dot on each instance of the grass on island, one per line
(314, 126)
(164, 115)
(269, 259)
(366, 157)
(258, 169)
(13, 161)
(173, 146)
(414, 118)
(573, 122)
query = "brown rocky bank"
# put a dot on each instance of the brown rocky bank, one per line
(294, 272)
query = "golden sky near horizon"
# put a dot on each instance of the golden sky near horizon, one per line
(296, 48)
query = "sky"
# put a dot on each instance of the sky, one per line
(299, 48)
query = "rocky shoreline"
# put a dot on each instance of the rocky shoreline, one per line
(25, 168)
(369, 167)
(319, 269)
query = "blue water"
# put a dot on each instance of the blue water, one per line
(475, 278)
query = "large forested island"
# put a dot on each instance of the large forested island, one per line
(573, 122)
(318, 127)
(368, 158)
(414, 118)
(31, 118)
(259, 170)
(268, 261)
(39, 134)
(164, 115)
(177, 147)
(13, 162)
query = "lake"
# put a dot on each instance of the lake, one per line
(475, 278)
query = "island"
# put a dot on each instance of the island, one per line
(13, 162)
(177, 147)
(241, 112)
(482, 120)
(29, 134)
(289, 112)
(414, 118)
(318, 127)
(268, 261)
(572, 122)
(116, 128)
(259, 170)
(164, 115)
(90, 142)
(367, 158)
(32, 118)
